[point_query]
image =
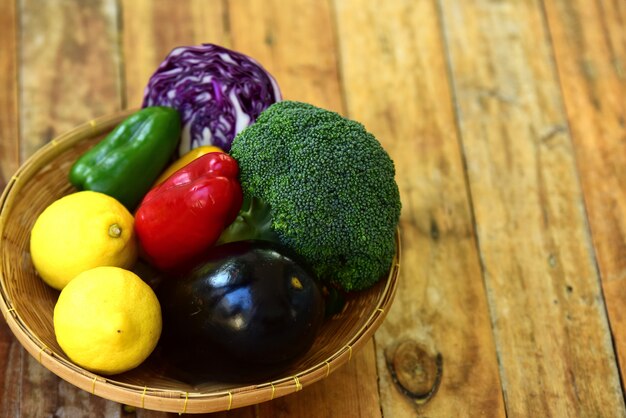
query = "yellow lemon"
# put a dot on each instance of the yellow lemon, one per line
(107, 320)
(81, 231)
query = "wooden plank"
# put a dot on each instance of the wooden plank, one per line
(9, 144)
(69, 73)
(551, 330)
(147, 40)
(339, 395)
(69, 69)
(10, 350)
(396, 84)
(45, 395)
(295, 41)
(590, 53)
(11, 354)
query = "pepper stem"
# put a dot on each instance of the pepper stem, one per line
(115, 231)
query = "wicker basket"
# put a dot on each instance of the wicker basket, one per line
(27, 303)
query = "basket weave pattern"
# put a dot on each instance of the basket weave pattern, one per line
(27, 303)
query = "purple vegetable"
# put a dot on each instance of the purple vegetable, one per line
(218, 93)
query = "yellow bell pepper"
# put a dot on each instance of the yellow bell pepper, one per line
(186, 159)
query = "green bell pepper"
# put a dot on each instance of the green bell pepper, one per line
(126, 162)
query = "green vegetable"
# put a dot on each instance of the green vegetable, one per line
(324, 187)
(126, 162)
(254, 221)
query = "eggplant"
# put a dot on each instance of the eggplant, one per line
(246, 303)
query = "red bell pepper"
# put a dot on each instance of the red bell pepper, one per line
(184, 216)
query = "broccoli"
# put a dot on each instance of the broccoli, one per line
(322, 186)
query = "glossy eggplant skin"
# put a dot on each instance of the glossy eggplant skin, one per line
(249, 301)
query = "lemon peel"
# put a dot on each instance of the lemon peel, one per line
(81, 231)
(107, 320)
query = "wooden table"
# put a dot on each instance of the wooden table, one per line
(506, 120)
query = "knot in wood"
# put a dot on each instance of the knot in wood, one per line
(415, 372)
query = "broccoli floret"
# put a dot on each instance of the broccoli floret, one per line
(328, 188)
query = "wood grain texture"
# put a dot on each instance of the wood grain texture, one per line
(9, 136)
(547, 309)
(69, 68)
(590, 50)
(506, 120)
(11, 360)
(339, 395)
(10, 350)
(69, 73)
(147, 39)
(440, 279)
(296, 42)
(45, 395)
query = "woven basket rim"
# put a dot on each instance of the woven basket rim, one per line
(155, 398)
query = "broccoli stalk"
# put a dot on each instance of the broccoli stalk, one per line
(322, 186)
(254, 221)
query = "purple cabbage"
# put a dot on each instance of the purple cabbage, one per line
(218, 93)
